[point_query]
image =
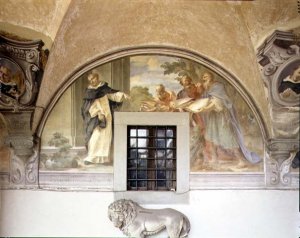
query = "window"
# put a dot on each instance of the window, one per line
(149, 147)
(151, 158)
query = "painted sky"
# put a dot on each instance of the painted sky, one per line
(145, 71)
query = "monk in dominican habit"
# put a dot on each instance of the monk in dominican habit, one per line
(99, 102)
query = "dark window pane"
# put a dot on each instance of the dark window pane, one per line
(160, 143)
(160, 154)
(161, 132)
(142, 174)
(132, 163)
(170, 133)
(142, 163)
(133, 153)
(142, 185)
(132, 174)
(160, 163)
(170, 164)
(170, 154)
(170, 143)
(132, 185)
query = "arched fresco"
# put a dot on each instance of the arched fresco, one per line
(225, 135)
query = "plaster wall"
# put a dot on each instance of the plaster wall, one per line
(91, 29)
(34, 15)
(262, 17)
(212, 213)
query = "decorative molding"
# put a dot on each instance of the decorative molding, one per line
(63, 180)
(27, 59)
(282, 145)
(199, 181)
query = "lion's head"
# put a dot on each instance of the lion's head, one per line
(122, 213)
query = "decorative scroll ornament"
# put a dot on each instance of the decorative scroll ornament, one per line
(135, 221)
(273, 171)
(17, 173)
(31, 168)
(285, 169)
(20, 67)
(269, 70)
(277, 56)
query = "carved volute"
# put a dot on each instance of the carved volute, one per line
(21, 70)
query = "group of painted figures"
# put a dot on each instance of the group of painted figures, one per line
(212, 115)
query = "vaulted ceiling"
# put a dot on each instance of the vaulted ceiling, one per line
(41, 19)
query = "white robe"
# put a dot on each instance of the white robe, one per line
(100, 142)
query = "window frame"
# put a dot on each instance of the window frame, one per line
(181, 121)
(155, 170)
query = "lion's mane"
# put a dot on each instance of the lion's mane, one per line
(124, 210)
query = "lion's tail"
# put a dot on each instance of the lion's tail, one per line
(186, 226)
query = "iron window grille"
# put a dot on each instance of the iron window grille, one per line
(151, 158)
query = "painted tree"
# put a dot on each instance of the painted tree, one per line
(183, 67)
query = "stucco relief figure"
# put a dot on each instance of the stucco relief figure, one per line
(99, 102)
(136, 221)
(11, 82)
(289, 88)
(223, 136)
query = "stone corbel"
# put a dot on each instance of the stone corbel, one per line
(24, 149)
(285, 169)
(24, 162)
(31, 167)
(17, 170)
(281, 153)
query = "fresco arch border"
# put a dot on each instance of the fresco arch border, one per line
(157, 50)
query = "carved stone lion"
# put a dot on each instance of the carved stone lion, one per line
(136, 221)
